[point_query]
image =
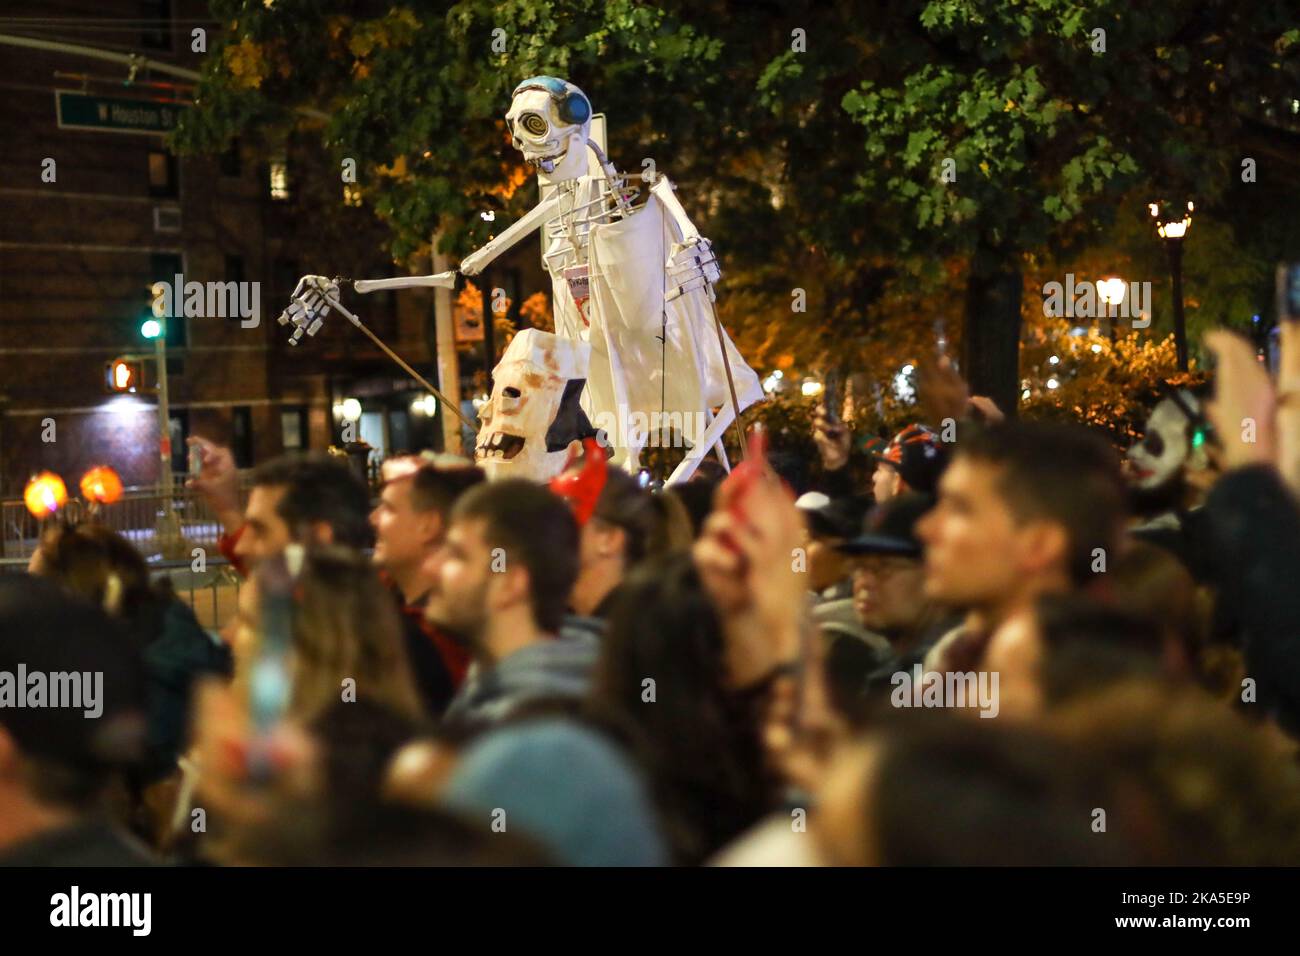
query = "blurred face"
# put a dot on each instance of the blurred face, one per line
(459, 602)
(888, 592)
(1015, 651)
(826, 566)
(971, 538)
(265, 532)
(403, 535)
(885, 482)
(598, 542)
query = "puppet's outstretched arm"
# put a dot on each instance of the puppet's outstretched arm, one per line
(472, 264)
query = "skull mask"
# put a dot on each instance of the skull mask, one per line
(534, 416)
(1172, 440)
(550, 120)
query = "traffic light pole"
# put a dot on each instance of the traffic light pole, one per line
(170, 540)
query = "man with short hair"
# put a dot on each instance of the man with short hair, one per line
(410, 520)
(1024, 509)
(410, 523)
(504, 579)
(305, 498)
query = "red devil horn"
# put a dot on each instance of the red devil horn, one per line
(582, 488)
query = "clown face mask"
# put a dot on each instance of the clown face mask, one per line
(1169, 443)
(525, 430)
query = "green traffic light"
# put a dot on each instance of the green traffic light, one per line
(151, 328)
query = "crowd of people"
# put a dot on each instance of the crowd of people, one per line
(994, 648)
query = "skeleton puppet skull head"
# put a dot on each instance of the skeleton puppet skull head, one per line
(550, 120)
(1174, 439)
(533, 416)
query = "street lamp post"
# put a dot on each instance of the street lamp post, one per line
(1172, 224)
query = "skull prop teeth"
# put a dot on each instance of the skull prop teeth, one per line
(533, 416)
(550, 120)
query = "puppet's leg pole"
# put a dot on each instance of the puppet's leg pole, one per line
(721, 450)
(712, 436)
(719, 447)
(442, 399)
(731, 382)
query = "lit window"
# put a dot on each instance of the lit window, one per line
(279, 179)
(162, 175)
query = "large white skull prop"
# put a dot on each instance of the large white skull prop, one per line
(550, 120)
(533, 416)
(1169, 443)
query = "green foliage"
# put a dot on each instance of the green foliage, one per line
(817, 170)
(1109, 385)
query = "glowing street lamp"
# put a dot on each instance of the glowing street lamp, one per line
(1112, 292)
(1172, 223)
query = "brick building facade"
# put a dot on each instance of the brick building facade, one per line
(80, 249)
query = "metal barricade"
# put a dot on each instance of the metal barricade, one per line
(212, 592)
(135, 516)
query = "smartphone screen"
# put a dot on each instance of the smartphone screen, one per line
(833, 395)
(270, 685)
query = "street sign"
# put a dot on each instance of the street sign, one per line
(108, 114)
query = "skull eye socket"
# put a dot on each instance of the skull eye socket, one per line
(510, 391)
(1154, 444)
(534, 123)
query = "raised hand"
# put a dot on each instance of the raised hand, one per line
(746, 558)
(218, 482)
(833, 439)
(1244, 408)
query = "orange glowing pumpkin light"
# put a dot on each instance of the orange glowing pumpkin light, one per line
(102, 485)
(45, 494)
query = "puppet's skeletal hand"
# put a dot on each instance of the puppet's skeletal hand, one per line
(692, 265)
(308, 308)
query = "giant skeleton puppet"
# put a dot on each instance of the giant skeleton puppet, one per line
(632, 281)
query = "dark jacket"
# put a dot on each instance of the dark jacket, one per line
(87, 843)
(1256, 527)
(176, 651)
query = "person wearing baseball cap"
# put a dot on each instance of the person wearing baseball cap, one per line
(829, 521)
(72, 717)
(912, 461)
(888, 596)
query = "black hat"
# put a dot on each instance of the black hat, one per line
(919, 455)
(90, 712)
(891, 528)
(830, 517)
